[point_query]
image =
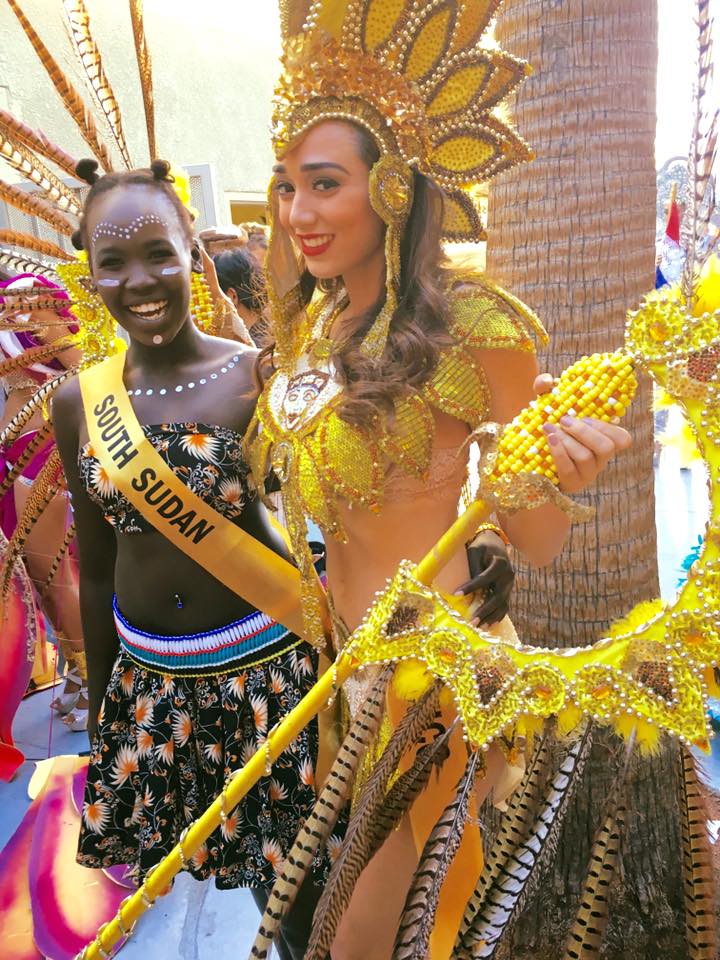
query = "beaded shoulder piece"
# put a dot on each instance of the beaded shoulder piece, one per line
(322, 460)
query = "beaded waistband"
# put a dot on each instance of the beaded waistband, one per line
(240, 644)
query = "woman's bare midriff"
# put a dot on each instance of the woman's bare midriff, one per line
(405, 528)
(378, 542)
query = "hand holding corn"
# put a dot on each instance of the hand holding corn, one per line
(569, 434)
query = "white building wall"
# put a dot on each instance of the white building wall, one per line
(214, 65)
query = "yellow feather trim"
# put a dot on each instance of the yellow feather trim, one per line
(527, 726)
(568, 719)
(708, 292)
(411, 680)
(647, 734)
(181, 186)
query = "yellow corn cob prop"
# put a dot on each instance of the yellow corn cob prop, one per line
(600, 386)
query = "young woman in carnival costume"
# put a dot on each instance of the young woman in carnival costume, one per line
(209, 673)
(185, 676)
(37, 345)
(387, 361)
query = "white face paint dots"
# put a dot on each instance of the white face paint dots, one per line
(107, 282)
(171, 271)
(107, 229)
(157, 339)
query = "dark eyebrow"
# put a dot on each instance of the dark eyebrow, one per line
(308, 167)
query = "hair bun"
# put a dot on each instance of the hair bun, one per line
(76, 240)
(161, 170)
(87, 170)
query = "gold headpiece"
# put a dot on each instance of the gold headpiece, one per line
(415, 75)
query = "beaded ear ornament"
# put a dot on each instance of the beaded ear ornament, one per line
(96, 337)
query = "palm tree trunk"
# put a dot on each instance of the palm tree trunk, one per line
(573, 236)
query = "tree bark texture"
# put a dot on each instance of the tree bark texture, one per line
(573, 236)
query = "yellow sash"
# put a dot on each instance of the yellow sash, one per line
(232, 556)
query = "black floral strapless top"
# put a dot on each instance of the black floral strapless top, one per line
(207, 459)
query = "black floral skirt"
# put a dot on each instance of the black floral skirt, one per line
(164, 748)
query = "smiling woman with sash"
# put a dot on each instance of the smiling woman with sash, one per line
(189, 604)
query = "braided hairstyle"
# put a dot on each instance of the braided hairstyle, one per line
(157, 175)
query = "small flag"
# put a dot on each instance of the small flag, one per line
(670, 257)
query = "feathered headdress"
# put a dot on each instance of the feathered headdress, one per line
(417, 76)
(29, 151)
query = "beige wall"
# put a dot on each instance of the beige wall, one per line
(214, 64)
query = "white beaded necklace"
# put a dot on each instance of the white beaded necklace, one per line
(150, 391)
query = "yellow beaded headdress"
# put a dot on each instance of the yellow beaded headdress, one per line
(415, 75)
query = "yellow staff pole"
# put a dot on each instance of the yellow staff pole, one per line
(239, 783)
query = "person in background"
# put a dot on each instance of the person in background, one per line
(56, 595)
(257, 243)
(241, 279)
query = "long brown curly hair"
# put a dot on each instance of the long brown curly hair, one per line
(419, 326)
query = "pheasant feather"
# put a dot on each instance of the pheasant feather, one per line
(35, 404)
(586, 934)
(323, 816)
(87, 51)
(701, 157)
(403, 793)
(418, 916)
(515, 826)
(23, 160)
(145, 69)
(20, 264)
(35, 207)
(38, 142)
(45, 351)
(521, 873)
(72, 100)
(46, 485)
(17, 309)
(45, 247)
(39, 440)
(697, 866)
(354, 853)
(59, 557)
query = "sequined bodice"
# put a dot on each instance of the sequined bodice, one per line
(322, 460)
(207, 459)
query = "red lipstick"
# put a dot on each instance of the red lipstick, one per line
(314, 249)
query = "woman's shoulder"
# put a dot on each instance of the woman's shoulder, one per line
(485, 316)
(66, 407)
(224, 349)
(67, 397)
